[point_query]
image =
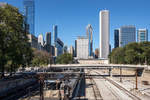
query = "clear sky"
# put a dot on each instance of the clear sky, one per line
(72, 16)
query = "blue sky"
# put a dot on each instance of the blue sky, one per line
(72, 16)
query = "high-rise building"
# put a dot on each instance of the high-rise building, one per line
(55, 33)
(127, 35)
(116, 38)
(48, 38)
(89, 31)
(71, 50)
(104, 34)
(82, 48)
(29, 13)
(47, 46)
(142, 35)
(59, 46)
(75, 54)
(41, 39)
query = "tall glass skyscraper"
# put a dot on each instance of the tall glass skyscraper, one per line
(55, 34)
(127, 35)
(116, 38)
(142, 35)
(29, 13)
(89, 32)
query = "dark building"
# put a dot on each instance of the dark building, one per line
(75, 54)
(29, 13)
(116, 38)
(48, 38)
(48, 42)
(55, 34)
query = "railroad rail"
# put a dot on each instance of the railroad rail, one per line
(96, 91)
(131, 95)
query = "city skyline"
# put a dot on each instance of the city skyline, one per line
(72, 21)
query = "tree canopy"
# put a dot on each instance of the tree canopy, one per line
(133, 53)
(15, 50)
(65, 58)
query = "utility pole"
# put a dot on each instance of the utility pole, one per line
(136, 80)
(120, 74)
(41, 81)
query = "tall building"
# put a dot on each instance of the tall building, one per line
(29, 13)
(82, 48)
(55, 33)
(47, 46)
(116, 38)
(104, 34)
(75, 54)
(41, 39)
(59, 47)
(142, 35)
(127, 35)
(33, 41)
(89, 31)
(48, 38)
(71, 50)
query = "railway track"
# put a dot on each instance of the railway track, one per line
(96, 91)
(131, 95)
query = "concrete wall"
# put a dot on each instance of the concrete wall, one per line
(97, 61)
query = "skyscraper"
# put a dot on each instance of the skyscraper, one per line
(48, 38)
(89, 31)
(29, 13)
(54, 33)
(142, 35)
(41, 39)
(116, 38)
(104, 34)
(127, 35)
(82, 47)
(47, 46)
(75, 48)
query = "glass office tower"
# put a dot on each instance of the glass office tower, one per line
(116, 38)
(142, 35)
(127, 35)
(29, 13)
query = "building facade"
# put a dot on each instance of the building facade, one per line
(75, 53)
(41, 39)
(142, 35)
(48, 42)
(71, 50)
(116, 38)
(127, 35)
(48, 38)
(89, 33)
(33, 41)
(82, 48)
(104, 34)
(55, 34)
(29, 13)
(59, 47)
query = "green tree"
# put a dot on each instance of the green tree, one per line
(132, 53)
(40, 58)
(14, 46)
(65, 58)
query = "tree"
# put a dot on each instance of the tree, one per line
(14, 46)
(65, 58)
(132, 53)
(40, 58)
